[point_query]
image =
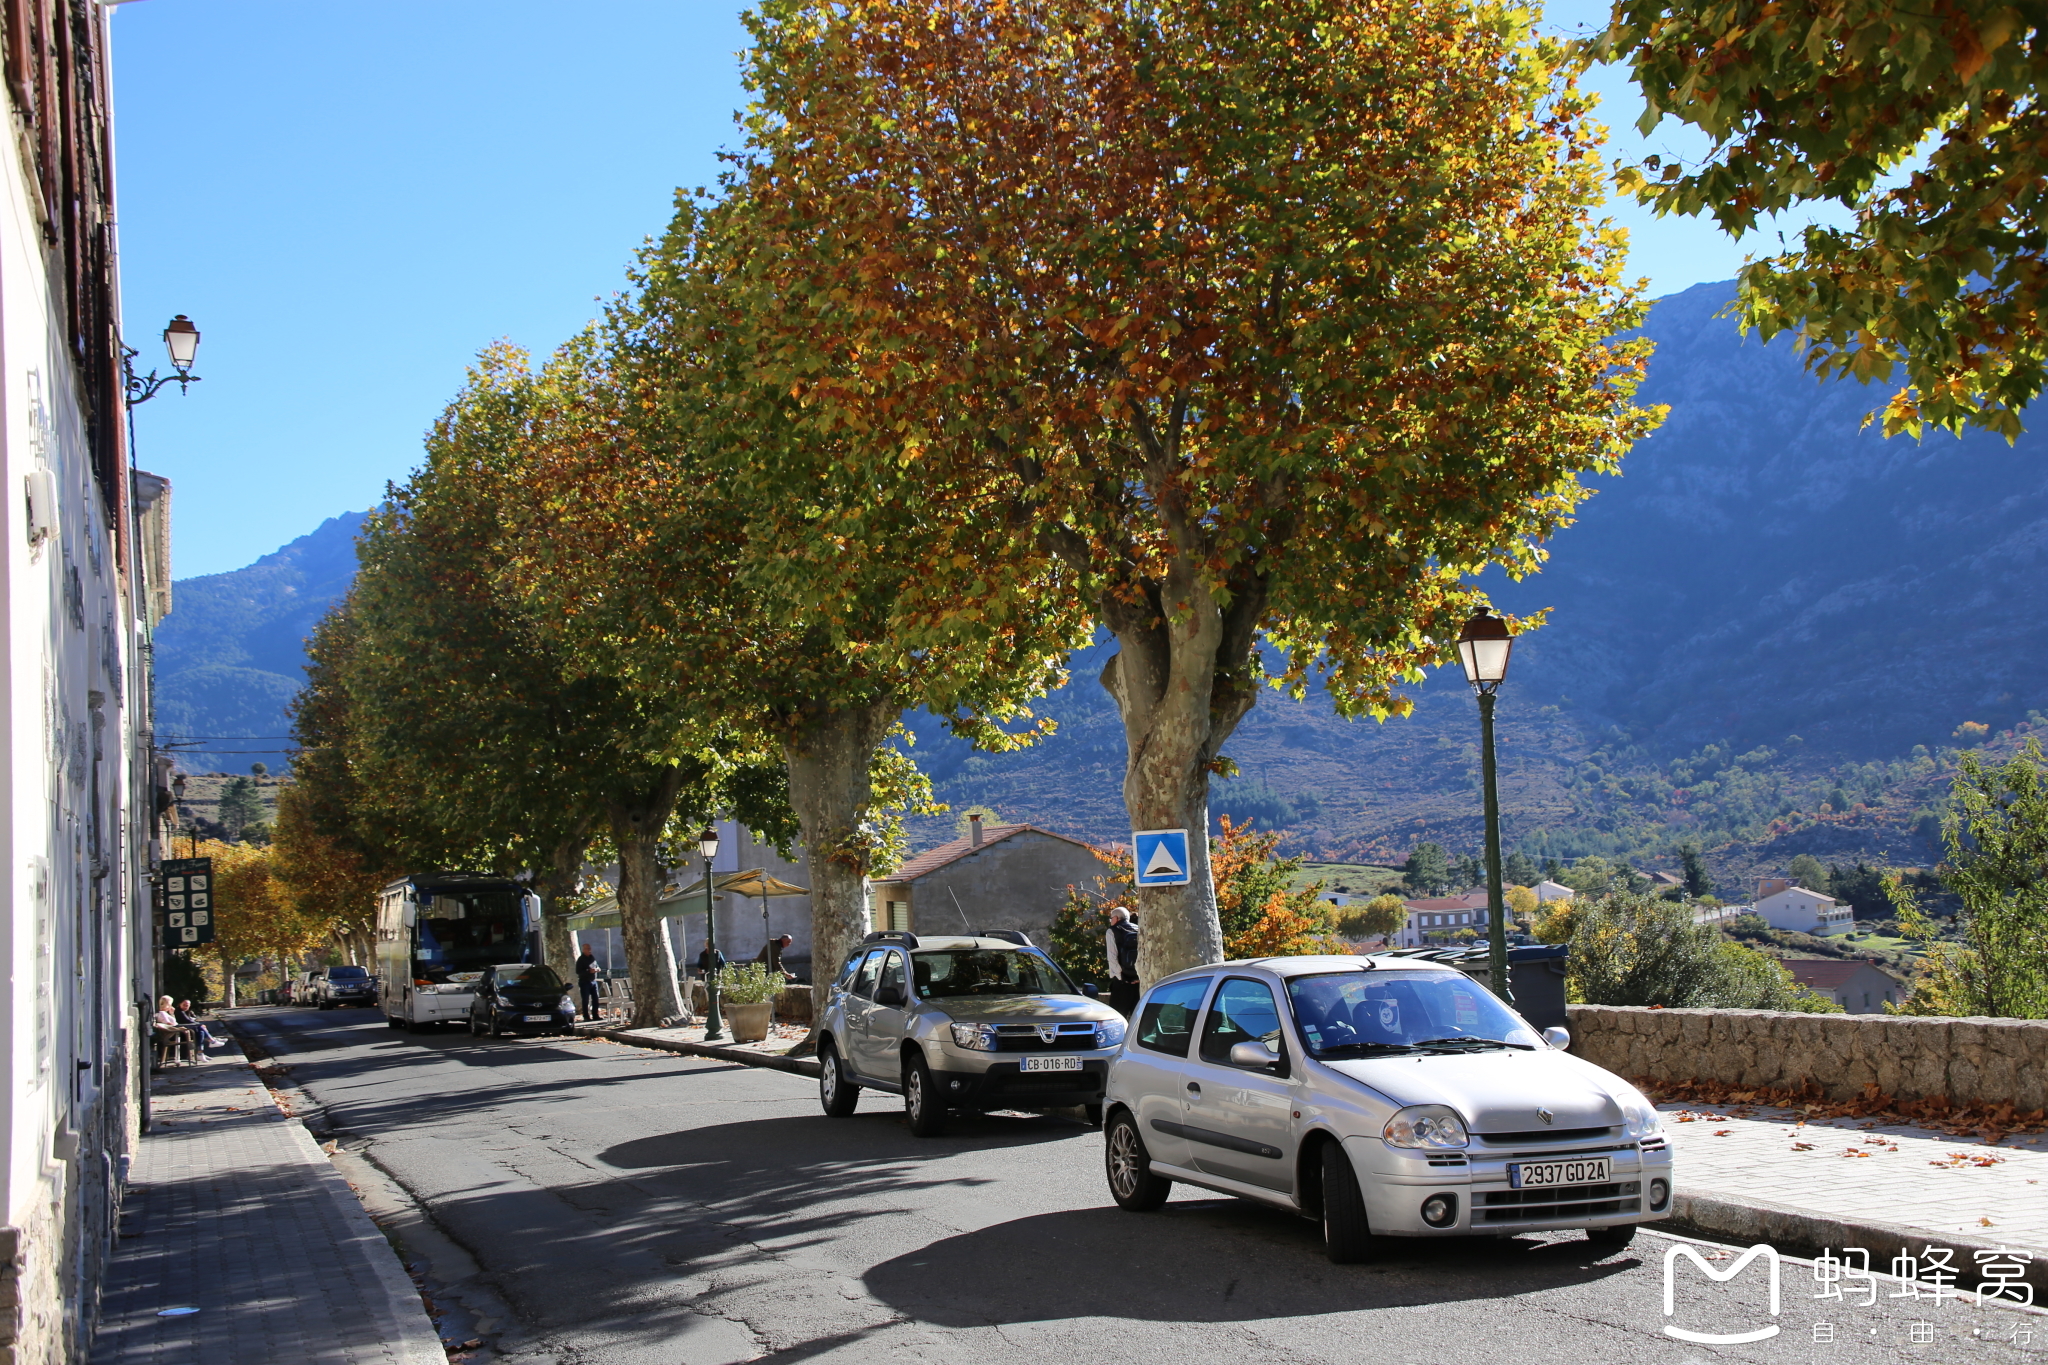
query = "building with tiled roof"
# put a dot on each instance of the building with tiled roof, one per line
(1011, 876)
(1858, 987)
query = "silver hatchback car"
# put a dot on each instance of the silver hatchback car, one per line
(1382, 1096)
(971, 1022)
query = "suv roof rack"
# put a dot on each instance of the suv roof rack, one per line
(1022, 940)
(904, 937)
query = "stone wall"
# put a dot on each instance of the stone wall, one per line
(1962, 1061)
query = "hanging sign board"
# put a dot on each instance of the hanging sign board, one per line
(184, 900)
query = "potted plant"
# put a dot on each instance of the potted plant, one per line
(748, 993)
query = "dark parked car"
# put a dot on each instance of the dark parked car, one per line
(338, 986)
(520, 998)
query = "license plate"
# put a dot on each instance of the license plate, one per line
(538, 1018)
(1052, 1063)
(1528, 1175)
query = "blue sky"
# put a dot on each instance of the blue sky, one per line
(351, 199)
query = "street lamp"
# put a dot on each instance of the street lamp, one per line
(181, 340)
(1483, 648)
(714, 1025)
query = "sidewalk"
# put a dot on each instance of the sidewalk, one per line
(231, 1209)
(1762, 1174)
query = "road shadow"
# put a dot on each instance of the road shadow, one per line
(1216, 1261)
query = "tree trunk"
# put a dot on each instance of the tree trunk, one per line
(556, 884)
(636, 829)
(829, 754)
(1182, 681)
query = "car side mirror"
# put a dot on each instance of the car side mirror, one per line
(1252, 1056)
(1091, 990)
(1558, 1038)
(891, 996)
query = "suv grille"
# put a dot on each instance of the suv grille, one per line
(1553, 1205)
(1026, 1038)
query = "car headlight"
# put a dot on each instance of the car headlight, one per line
(1109, 1032)
(1640, 1119)
(566, 1005)
(977, 1037)
(1426, 1125)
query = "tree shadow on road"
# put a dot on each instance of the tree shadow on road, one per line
(1206, 1260)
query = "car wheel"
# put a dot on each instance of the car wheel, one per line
(836, 1093)
(921, 1103)
(1347, 1233)
(475, 1029)
(1129, 1167)
(1611, 1239)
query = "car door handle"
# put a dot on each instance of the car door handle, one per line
(1193, 1088)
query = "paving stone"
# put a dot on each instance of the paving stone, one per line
(232, 1209)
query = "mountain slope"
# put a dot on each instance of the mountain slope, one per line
(231, 655)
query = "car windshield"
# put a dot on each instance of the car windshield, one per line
(988, 971)
(1356, 1014)
(532, 976)
(346, 973)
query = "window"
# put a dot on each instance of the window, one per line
(892, 974)
(1244, 1012)
(899, 915)
(1381, 1010)
(1167, 1022)
(864, 982)
(989, 971)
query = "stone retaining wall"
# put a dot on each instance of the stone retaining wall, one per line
(1962, 1061)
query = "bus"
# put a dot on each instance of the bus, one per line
(437, 931)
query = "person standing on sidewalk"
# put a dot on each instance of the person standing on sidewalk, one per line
(586, 983)
(1120, 946)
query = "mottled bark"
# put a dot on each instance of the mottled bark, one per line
(829, 755)
(555, 884)
(1182, 681)
(637, 822)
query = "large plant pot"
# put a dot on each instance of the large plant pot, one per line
(749, 1023)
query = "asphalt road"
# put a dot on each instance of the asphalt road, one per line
(597, 1204)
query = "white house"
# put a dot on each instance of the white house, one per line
(1433, 919)
(1808, 912)
(1548, 891)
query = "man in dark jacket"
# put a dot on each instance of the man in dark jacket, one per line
(586, 982)
(1120, 945)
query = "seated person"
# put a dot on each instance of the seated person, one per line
(190, 1020)
(167, 1031)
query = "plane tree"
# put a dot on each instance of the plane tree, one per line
(702, 539)
(1925, 122)
(1261, 319)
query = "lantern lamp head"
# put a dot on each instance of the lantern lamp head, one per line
(707, 843)
(181, 339)
(1483, 649)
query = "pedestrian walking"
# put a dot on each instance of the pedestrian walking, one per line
(586, 983)
(1120, 947)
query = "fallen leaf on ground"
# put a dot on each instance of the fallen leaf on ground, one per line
(1802, 1146)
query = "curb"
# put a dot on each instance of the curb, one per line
(796, 1066)
(1803, 1232)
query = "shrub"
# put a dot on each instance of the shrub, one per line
(182, 978)
(1630, 949)
(748, 983)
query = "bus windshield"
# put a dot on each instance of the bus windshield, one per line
(461, 931)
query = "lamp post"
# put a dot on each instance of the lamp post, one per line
(181, 341)
(714, 1025)
(1483, 649)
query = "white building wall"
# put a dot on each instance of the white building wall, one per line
(75, 955)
